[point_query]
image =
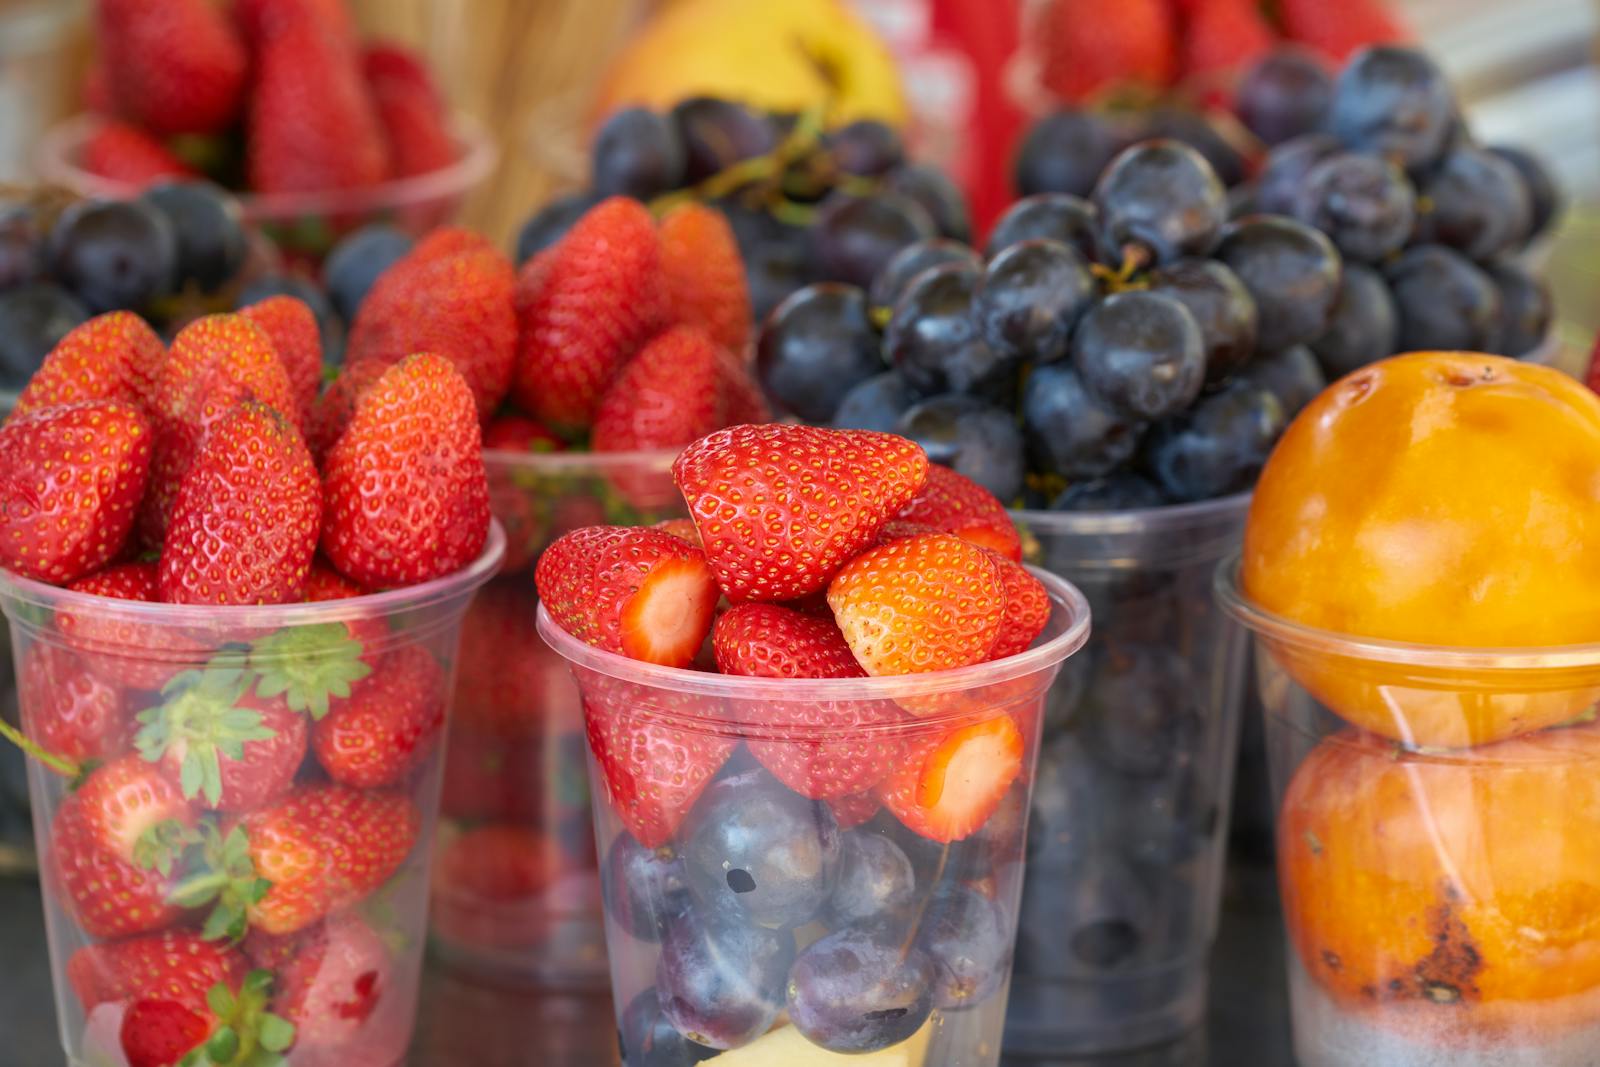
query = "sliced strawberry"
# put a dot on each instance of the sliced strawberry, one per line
(948, 786)
(956, 504)
(331, 979)
(1027, 609)
(389, 726)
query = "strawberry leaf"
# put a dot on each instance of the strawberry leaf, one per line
(277, 1033)
(200, 719)
(310, 666)
(162, 844)
(223, 1045)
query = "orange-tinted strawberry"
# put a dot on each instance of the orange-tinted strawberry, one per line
(175, 67)
(450, 295)
(292, 327)
(781, 508)
(245, 521)
(227, 749)
(1087, 48)
(71, 479)
(600, 300)
(518, 433)
(1027, 609)
(631, 590)
(125, 153)
(405, 493)
(956, 504)
(946, 787)
(704, 275)
(924, 603)
(1339, 30)
(337, 405)
(115, 356)
(415, 122)
(389, 725)
(67, 709)
(666, 396)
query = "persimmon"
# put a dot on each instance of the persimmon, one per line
(1438, 499)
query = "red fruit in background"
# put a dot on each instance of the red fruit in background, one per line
(1027, 609)
(115, 356)
(71, 479)
(405, 493)
(499, 863)
(156, 977)
(683, 529)
(666, 396)
(329, 981)
(1340, 30)
(630, 590)
(131, 653)
(415, 123)
(245, 521)
(1086, 48)
(704, 275)
(1592, 379)
(260, 19)
(956, 504)
(601, 299)
(518, 433)
(781, 508)
(743, 400)
(67, 709)
(337, 405)
(125, 153)
(389, 725)
(946, 787)
(1221, 40)
(292, 328)
(175, 67)
(511, 683)
(493, 777)
(450, 295)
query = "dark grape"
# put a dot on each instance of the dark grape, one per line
(1525, 309)
(1069, 432)
(866, 148)
(356, 262)
(875, 881)
(1446, 303)
(1030, 297)
(718, 133)
(1056, 216)
(1141, 353)
(21, 246)
(647, 1039)
(912, 260)
(637, 153)
(970, 436)
(875, 404)
(854, 237)
(720, 981)
(776, 269)
(969, 940)
(1287, 93)
(934, 339)
(1286, 170)
(1364, 204)
(860, 990)
(939, 196)
(1544, 195)
(1163, 197)
(1292, 272)
(209, 229)
(1064, 152)
(1476, 203)
(1293, 376)
(1123, 491)
(1062, 808)
(33, 318)
(1200, 134)
(1099, 910)
(114, 254)
(550, 223)
(1222, 307)
(306, 291)
(1242, 201)
(1395, 102)
(1365, 325)
(815, 346)
(1141, 712)
(641, 886)
(1216, 447)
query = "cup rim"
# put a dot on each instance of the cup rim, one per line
(15, 590)
(1161, 518)
(1268, 624)
(1063, 596)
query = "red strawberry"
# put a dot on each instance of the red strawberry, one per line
(175, 67)
(499, 863)
(781, 508)
(115, 356)
(631, 590)
(405, 493)
(124, 650)
(337, 406)
(450, 295)
(946, 787)
(1086, 47)
(415, 122)
(1340, 30)
(602, 298)
(771, 641)
(330, 981)
(245, 521)
(125, 153)
(71, 479)
(532, 277)
(1027, 609)
(260, 19)
(510, 680)
(1592, 378)
(925, 603)
(665, 397)
(165, 981)
(292, 328)
(312, 125)
(518, 433)
(67, 709)
(325, 583)
(704, 275)
(391, 61)
(1222, 39)
(743, 400)
(956, 504)
(121, 802)
(852, 811)
(683, 529)
(489, 776)
(390, 724)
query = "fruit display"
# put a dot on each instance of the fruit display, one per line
(1435, 751)
(810, 802)
(234, 666)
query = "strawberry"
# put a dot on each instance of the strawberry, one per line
(259, 20)
(127, 154)
(405, 493)
(175, 67)
(331, 979)
(392, 62)
(126, 804)
(415, 123)
(71, 479)
(946, 787)
(312, 126)
(337, 405)
(499, 863)
(665, 397)
(67, 709)
(510, 680)
(532, 277)
(390, 724)
(1222, 39)
(115, 356)
(132, 653)
(600, 300)
(683, 529)
(245, 520)
(925, 603)
(742, 398)
(1086, 48)
(771, 641)
(851, 811)
(781, 508)
(292, 328)
(1027, 609)
(1340, 30)
(1592, 378)
(956, 504)
(704, 277)
(324, 583)
(487, 776)
(631, 590)
(450, 295)
(518, 433)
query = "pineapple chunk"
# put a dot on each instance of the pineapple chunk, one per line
(784, 1047)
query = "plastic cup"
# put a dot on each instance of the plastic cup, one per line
(1441, 904)
(36, 76)
(516, 888)
(1127, 839)
(324, 834)
(736, 905)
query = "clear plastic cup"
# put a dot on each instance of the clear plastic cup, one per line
(516, 888)
(770, 928)
(1442, 904)
(182, 898)
(1127, 839)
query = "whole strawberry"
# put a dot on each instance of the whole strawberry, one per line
(127, 651)
(1027, 609)
(388, 726)
(781, 508)
(67, 709)
(956, 504)
(1339, 30)
(125, 153)
(245, 522)
(414, 118)
(668, 395)
(1221, 40)
(292, 328)
(337, 405)
(176, 66)
(1087, 48)
(71, 479)
(405, 492)
(704, 276)
(450, 295)
(115, 356)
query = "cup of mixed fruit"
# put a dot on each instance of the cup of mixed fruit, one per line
(1417, 573)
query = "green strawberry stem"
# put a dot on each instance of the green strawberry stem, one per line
(309, 666)
(247, 1034)
(59, 764)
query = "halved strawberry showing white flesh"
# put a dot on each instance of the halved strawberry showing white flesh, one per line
(947, 786)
